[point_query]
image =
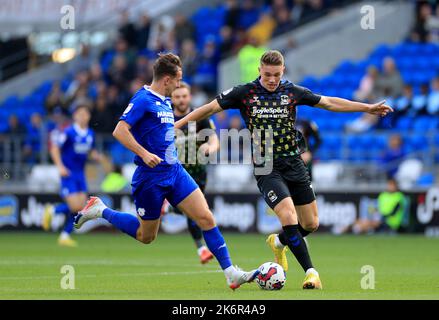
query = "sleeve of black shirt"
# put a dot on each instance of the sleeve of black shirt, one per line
(306, 97)
(231, 98)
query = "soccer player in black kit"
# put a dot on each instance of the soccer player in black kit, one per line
(268, 106)
(181, 99)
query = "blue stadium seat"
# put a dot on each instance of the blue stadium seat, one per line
(417, 142)
(425, 123)
(404, 123)
(426, 180)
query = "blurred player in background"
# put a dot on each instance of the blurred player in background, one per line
(69, 150)
(181, 100)
(310, 132)
(268, 106)
(147, 128)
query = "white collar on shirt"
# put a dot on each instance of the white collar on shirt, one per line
(163, 98)
(79, 130)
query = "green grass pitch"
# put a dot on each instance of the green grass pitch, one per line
(114, 266)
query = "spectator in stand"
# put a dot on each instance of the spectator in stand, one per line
(162, 34)
(189, 59)
(143, 69)
(433, 98)
(143, 32)
(362, 124)
(127, 29)
(227, 41)
(120, 73)
(298, 10)
(199, 97)
(313, 9)
(420, 32)
(32, 144)
(249, 57)
(263, 29)
(432, 26)
(183, 29)
(55, 99)
(117, 100)
(232, 14)
(283, 21)
(393, 156)
(389, 80)
(102, 118)
(122, 49)
(135, 86)
(15, 127)
(97, 83)
(14, 132)
(84, 60)
(365, 91)
(419, 103)
(78, 87)
(206, 75)
(249, 14)
(404, 104)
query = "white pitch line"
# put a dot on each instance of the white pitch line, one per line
(172, 273)
(95, 262)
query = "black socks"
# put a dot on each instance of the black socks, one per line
(292, 237)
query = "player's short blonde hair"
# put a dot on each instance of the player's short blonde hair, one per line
(272, 58)
(184, 85)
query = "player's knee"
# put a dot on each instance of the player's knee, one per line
(206, 221)
(311, 226)
(147, 239)
(75, 209)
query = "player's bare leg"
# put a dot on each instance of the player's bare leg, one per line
(308, 216)
(195, 207)
(148, 230)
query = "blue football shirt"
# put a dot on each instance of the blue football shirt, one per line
(75, 144)
(151, 119)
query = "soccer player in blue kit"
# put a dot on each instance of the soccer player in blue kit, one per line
(147, 128)
(69, 151)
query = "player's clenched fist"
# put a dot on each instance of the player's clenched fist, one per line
(151, 160)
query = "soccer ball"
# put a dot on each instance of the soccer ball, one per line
(271, 276)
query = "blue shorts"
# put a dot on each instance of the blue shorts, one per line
(151, 188)
(73, 184)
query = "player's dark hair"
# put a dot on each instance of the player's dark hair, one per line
(167, 64)
(272, 58)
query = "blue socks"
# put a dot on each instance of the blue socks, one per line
(125, 222)
(68, 226)
(62, 208)
(216, 244)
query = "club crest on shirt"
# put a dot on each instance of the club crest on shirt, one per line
(284, 100)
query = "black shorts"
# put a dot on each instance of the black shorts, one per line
(289, 178)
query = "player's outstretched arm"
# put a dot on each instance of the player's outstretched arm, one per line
(343, 105)
(123, 134)
(200, 113)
